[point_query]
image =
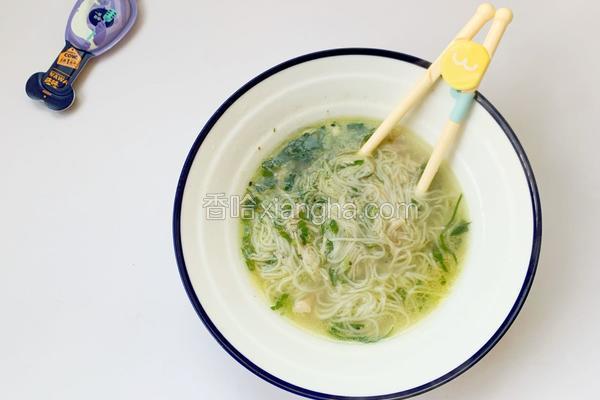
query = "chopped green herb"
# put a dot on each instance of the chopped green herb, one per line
(360, 131)
(333, 276)
(416, 204)
(402, 293)
(280, 302)
(339, 331)
(333, 225)
(455, 211)
(445, 247)
(358, 128)
(288, 182)
(460, 228)
(287, 209)
(266, 172)
(247, 247)
(439, 258)
(271, 164)
(251, 264)
(283, 233)
(266, 183)
(353, 164)
(302, 149)
(328, 247)
(302, 214)
(304, 233)
(457, 230)
(271, 261)
(247, 250)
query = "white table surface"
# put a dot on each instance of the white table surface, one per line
(91, 304)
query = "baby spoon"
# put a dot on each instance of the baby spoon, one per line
(94, 27)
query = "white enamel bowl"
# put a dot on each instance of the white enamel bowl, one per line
(498, 186)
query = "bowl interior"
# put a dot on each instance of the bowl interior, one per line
(494, 185)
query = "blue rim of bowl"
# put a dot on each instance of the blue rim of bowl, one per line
(233, 352)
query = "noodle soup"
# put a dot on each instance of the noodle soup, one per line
(340, 243)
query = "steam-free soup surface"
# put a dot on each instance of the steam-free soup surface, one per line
(340, 244)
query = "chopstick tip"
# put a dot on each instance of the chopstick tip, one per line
(504, 14)
(486, 10)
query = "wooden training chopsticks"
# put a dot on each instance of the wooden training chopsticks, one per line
(462, 65)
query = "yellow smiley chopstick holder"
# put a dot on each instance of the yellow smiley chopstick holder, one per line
(464, 64)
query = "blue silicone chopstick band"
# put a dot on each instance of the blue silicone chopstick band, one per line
(462, 105)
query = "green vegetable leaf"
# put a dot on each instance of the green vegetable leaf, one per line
(352, 164)
(401, 292)
(271, 261)
(333, 225)
(360, 131)
(357, 127)
(455, 211)
(328, 247)
(333, 276)
(266, 183)
(271, 164)
(267, 173)
(304, 233)
(445, 247)
(250, 264)
(338, 330)
(302, 214)
(302, 149)
(247, 250)
(280, 302)
(439, 258)
(283, 233)
(460, 228)
(247, 247)
(288, 182)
